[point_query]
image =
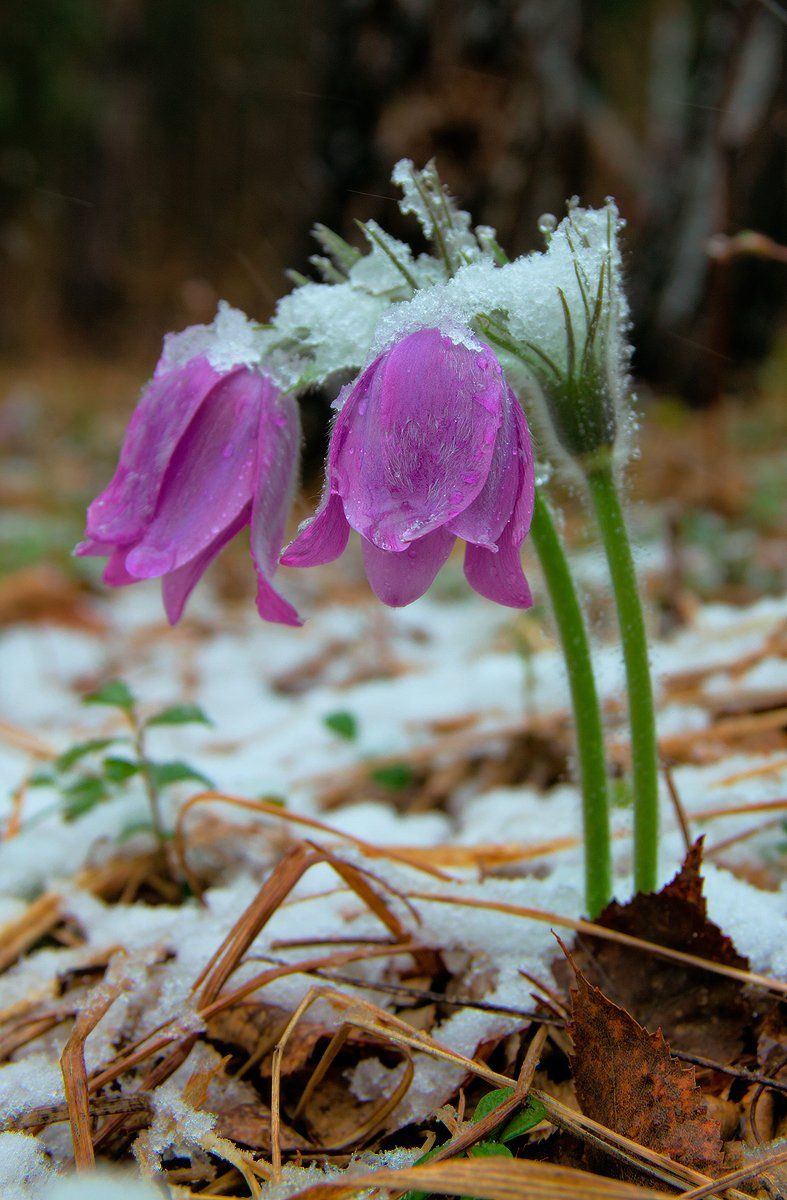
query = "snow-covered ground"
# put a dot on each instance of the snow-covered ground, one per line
(416, 681)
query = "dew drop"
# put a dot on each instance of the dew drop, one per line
(547, 224)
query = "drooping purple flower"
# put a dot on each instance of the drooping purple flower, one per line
(208, 451)
(430, 445)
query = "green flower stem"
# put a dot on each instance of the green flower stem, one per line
(642, 720)
(587, 712)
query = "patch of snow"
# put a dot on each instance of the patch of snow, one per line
(24, 1166)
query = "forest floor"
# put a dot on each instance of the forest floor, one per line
(361, 937)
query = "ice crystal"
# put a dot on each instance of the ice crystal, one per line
(231, 340)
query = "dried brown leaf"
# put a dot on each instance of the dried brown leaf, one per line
(700, 1013)
(626, 1079)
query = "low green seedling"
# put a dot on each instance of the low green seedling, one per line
(495, 1146)
(99, 769)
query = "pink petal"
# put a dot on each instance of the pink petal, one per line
(165, 410)
(412, 446)
(209, 479)
(115, 573)
(322, 539)
(278, 443)
(523, 509)
(483, 521)
(399, 577)
(498, 576)
(178, 585)
(90, 547)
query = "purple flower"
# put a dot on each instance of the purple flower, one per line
(207, 452)
(430, 445)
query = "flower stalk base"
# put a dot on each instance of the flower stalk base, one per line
(587, 711)
(642, 720)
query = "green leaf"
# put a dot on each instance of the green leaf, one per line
(179, 714)
(490, 1102)
(165, 773)
(279, 801)
(42, 779)
(530, 1116)
(621, 793)
(396, 776)
(115, 694)
(343, 724)
(490, 1150)
(74, 753)
(83, 796)
(487, 1150)
(117, 770)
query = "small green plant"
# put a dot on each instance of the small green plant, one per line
(394, 777)
(526, 1119)
(90, 772)
(343, 723)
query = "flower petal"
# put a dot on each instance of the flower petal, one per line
(209, 479)
(498, 576)
(523, 508)
(165, 410)
(179, 584)
(91, 548)
(483, 521)
(322, 539)
(412, 446)
(278, 443)
(399, 577)
(115, 573)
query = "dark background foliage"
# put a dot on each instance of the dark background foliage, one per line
(157, 154)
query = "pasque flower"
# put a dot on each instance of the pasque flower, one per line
(429, 445)
(209, 450)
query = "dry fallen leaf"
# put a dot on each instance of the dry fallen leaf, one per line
(626, 1078)
(700, 1013)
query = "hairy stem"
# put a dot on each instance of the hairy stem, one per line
(587, 711)
(642, 720)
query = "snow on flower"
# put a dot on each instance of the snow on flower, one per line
(430, 445)
(211, 448)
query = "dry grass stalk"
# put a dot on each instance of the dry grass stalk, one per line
(726, 730)
(749, 978)
(280, 814)
(37, 920)
(278, 1053)
(488, 1179)
(376, 1119)
(479, 1130)
(627, 1151)
(100, 1106)
(22, 739)
(748, 1172)
(771, 767)
(72, 1064)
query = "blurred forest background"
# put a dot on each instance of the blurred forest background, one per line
(158, 154)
